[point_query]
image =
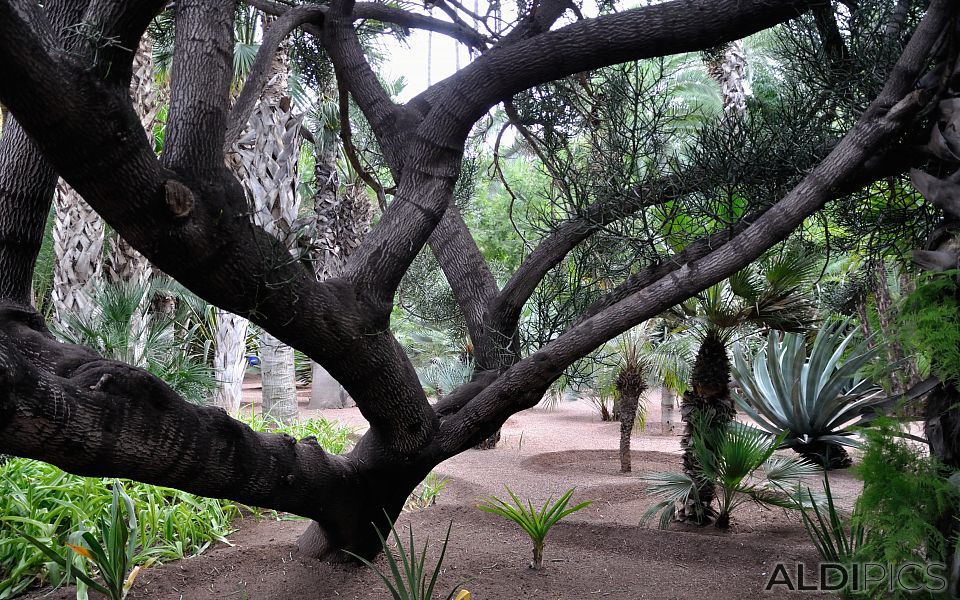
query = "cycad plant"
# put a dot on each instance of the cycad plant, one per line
(739, 462)
(535, 521)
(814, 401)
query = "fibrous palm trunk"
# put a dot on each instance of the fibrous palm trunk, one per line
(78, 247)
(728, 66)
(342, 220)
(708, 403)
(229, 360)
(630, 385)
(265, 159)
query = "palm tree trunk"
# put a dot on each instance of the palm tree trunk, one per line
(668, 400)
(628, 414)
(78, 247)
(229, 360)
(343, 214)
(279, 378)
(708, 400)
(124, 263)
(265, 159)
(728, 66)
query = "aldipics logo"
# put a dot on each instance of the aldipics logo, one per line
(859, 577)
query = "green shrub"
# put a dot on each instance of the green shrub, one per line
(929, 325)
(45, 503)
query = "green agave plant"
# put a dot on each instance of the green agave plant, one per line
(815, 401)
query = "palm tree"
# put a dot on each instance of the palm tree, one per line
(79, 231)
(265, 160)
(78, 247)
(773, 298)
(343, 214)
(630, 384)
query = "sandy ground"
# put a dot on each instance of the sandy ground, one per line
(599, 552)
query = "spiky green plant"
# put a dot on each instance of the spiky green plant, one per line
(535, 521)
(409, 578)
(730, 459)
(813, 401)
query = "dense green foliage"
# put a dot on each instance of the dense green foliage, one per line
(929, 324)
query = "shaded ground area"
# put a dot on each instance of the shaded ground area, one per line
(600, 552)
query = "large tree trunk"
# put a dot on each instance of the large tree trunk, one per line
(78, 247)
(708, 401)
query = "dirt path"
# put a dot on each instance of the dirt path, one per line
(600, 552)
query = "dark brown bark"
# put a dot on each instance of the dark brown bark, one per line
(188, 216)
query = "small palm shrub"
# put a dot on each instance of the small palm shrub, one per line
(123, 327)
(536, 522)
(442, 376)
(408, 577)
(737, 462)
(816, 401)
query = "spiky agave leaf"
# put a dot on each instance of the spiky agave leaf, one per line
(808, 398)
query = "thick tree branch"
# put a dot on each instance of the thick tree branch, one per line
(199, 90)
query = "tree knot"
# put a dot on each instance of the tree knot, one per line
(179, 198)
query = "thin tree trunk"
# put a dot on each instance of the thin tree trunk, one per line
(668, 402)
(279, 378)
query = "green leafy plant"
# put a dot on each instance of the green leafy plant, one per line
(41, 501)
(730, 458)
(409, 578)
(816, 401)
(905, 495)
(535, 521)
(837, 540)
(427, 492)
(123, 327)
(330, 435)
(114, 554)
(929, 324)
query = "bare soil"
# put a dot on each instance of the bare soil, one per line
(599, 552)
